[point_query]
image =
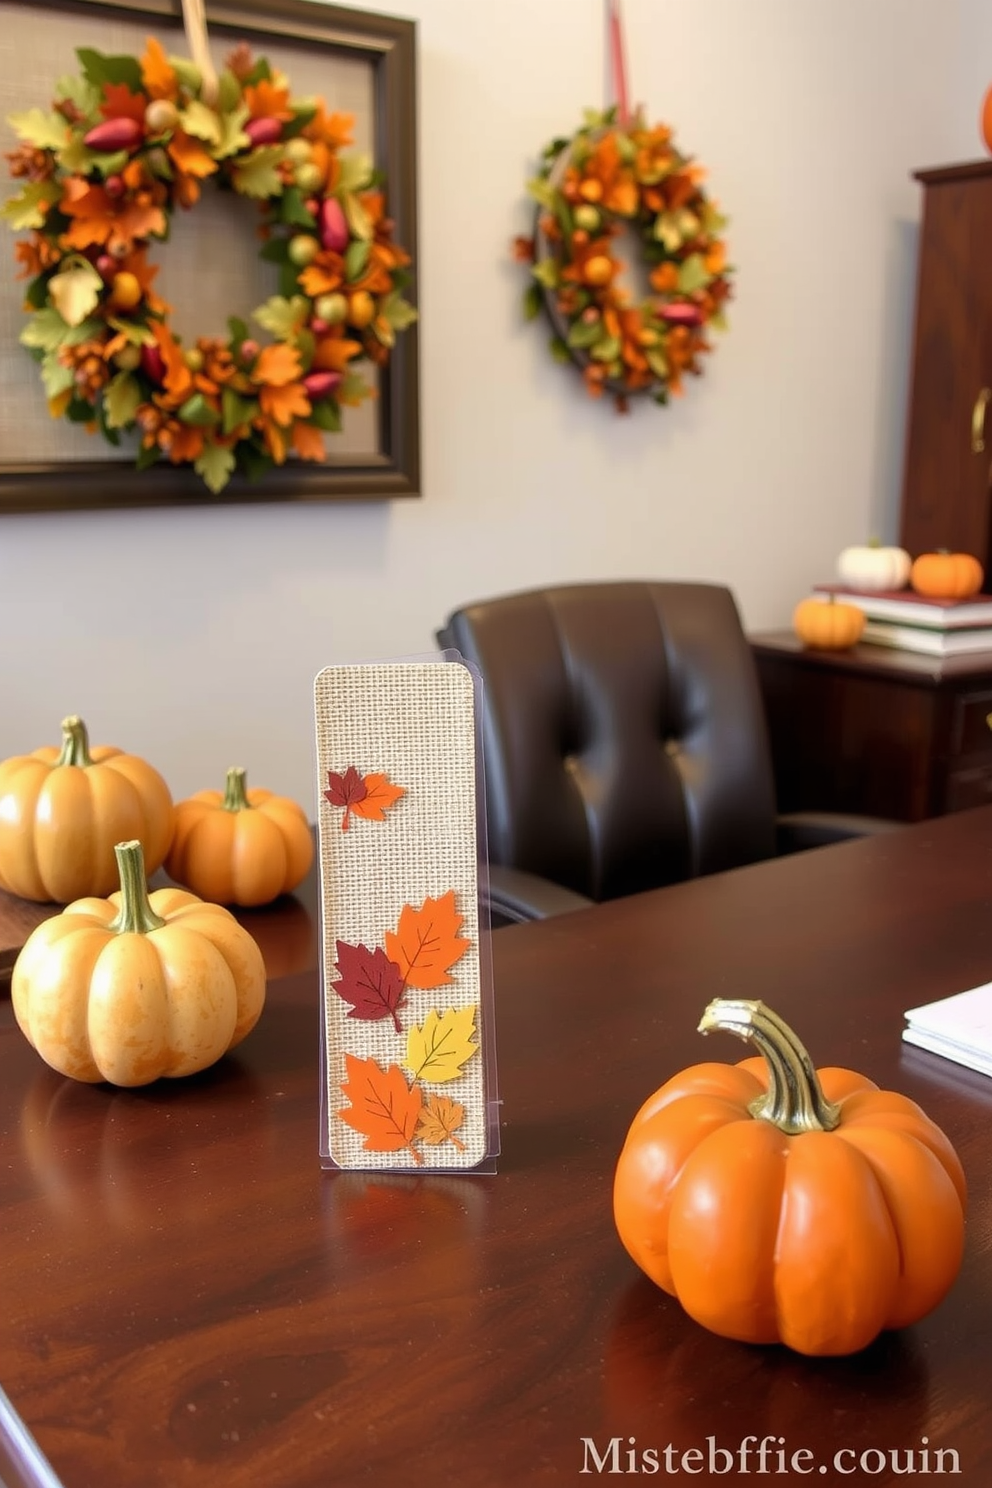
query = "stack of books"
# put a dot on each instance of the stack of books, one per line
(913, 622)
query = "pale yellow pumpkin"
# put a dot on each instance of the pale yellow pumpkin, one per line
(63, 809)
(138, 986)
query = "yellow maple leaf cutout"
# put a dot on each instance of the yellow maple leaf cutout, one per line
(439, 1119)
(438, 1049)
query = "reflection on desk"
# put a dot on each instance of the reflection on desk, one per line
(189, 1300)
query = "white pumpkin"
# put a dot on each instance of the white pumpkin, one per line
(874, 567)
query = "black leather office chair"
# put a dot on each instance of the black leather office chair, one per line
(625, 743)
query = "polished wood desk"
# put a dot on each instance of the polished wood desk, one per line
(187, 1299)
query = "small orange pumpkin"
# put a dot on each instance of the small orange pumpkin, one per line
(62, 811)
(243, 847)
(944, 575)
(784, 1204)
(828, 625)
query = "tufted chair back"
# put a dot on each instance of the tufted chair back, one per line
(624, 736)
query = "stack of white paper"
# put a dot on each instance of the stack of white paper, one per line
(959, 1027)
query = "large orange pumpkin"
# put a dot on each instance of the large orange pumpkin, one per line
(240, 846)
(783, 1204)
(62, 811)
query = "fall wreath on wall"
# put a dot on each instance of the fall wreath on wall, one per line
(101, 174)
(610, 177)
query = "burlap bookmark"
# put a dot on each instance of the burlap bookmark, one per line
(404, 1031)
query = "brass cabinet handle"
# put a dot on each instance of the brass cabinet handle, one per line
(978, 421)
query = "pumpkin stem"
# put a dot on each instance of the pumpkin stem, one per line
(135, 915)
(236, 791)
(794, 1101)
(75, 743)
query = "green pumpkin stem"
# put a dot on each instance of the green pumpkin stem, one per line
(236, 791)
(794, 1101)
(75, 743)
(135, 915)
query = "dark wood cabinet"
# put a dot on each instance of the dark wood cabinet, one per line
(947, 501)
(886, 733)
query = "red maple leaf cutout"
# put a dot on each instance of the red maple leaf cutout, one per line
(345, 790)
(372, 983)
(369, 796)
(384, 1108)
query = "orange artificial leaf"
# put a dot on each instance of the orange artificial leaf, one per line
(384, 1108)
(308, 442)
(334, 130)
(278, 365)
(284, 404)
(157, 73)
(426, 942)
(333, 353)
(189, 156)
(380, 794)
(266, 101)
(120, 103)
(439, 1120)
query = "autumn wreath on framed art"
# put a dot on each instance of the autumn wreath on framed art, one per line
(218, 268)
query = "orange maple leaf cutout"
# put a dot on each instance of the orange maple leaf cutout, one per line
(384, 1108)
(439, 1120)
(426, 943)
(308, 442)
(380, 794)
(284, 404)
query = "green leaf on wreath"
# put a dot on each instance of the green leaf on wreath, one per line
(358, 218)
(28, 208)
(543, 193)
(200, 121)
(583, 334)
(718, 320)
(78, 91)
(283, 317)
(36, 294)
(559, 351)
(136, 335)
(236, 412)
(56, 378)
(46, 330)
(189, 75)
(228, 91)
(237, 330)
(356, 259)
(326, 415)
(606, 350)
(198, 412)
(254, 461)
(75, 291)
(293, 209)
(657, 361)
(232, 133)
(146, 457)
(353, 389)
(400, 313)
(713, 219)
(693, 274)
(533, 301)
(214, 466)
(79, 411)
(259, 176)
(261, 72)
(306, 345)
(43, 129)
(100, 70)
(276, 250)
(121, 400)
(356, 173)
(545, 271)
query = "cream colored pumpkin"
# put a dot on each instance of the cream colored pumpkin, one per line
(137, 986)
(873, 568)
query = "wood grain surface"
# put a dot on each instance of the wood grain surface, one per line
(187, 1299)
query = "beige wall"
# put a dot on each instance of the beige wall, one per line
(193, 635)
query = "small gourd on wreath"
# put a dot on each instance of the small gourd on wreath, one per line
(615, 174)
(101, 172)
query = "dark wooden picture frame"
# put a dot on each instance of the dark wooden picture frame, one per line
(388, 45)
